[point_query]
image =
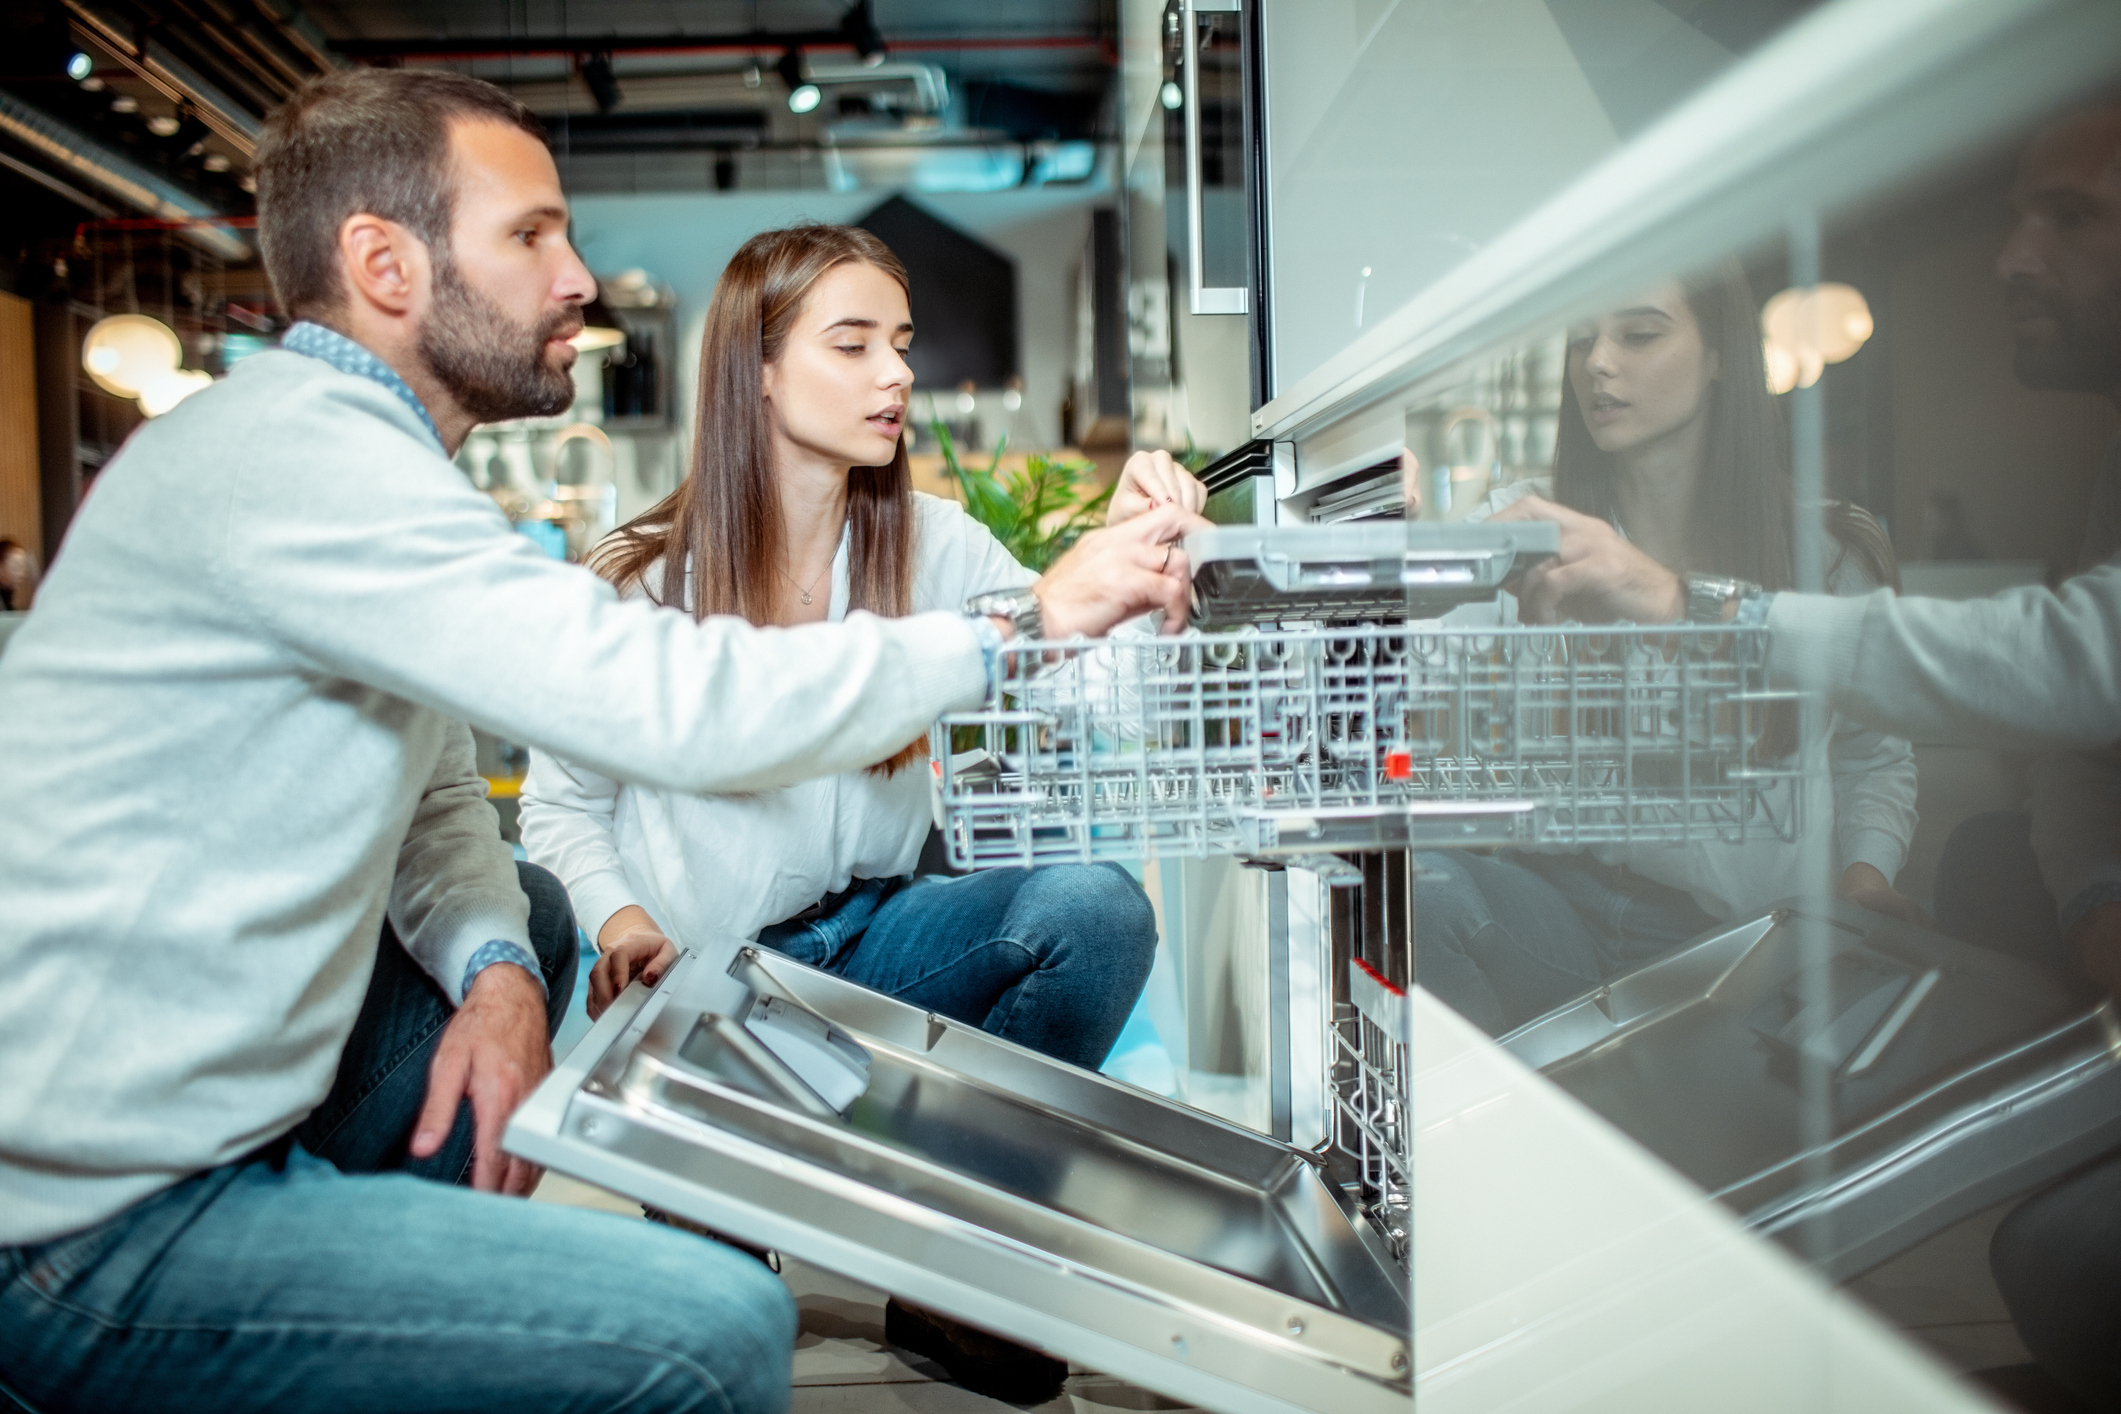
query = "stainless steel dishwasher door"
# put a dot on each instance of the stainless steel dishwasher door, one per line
(1029, 1197)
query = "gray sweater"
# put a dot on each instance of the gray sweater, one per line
(232, 735)
(2027, 669)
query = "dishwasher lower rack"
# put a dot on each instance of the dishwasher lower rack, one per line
(1052, 1205)
(1287, 741)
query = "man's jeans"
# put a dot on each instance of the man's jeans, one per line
(1505, 938)
(1052, 959)
(322, 1275)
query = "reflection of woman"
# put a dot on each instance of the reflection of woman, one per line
(798, 509)
(1668, 431)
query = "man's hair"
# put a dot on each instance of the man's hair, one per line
(367, 140)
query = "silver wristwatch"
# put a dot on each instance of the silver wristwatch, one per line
(1708, 595)
(1019, 606)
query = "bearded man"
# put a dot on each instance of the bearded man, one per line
(237, 1130)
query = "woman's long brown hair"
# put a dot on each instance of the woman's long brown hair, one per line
(1745, 505)
(724, 520)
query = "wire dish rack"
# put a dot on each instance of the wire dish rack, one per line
(1273, 742)
(1371, 742)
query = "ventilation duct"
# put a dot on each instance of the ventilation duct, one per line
(118, 176)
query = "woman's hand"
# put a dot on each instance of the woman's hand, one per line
(1115, 574)
(1152, 479)
(1864, 886)
(1597, 578)
(633, 948)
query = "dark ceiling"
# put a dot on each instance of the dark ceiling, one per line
(160, 118)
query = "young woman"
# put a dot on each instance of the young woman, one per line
(798, 509)
(1668, 431)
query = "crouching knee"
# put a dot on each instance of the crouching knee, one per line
(726, 1336)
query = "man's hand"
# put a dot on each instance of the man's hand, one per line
(1597, 578)
(2095, 942)
(1864, 886)
(632, 947)
(495, 1050)
(1149, 480)
(1114, 574)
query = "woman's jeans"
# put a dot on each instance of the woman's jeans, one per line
(1052, 959)
(321, 1274)
(1507, 937)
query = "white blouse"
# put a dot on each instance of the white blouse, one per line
(732, 864)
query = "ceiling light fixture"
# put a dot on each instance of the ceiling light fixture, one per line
(80, 67)
(169, 389)
(803, 95)
(126, 352)
(859, 25)
(135, 356)
(602, 82)
(600, 328)
(1804, 330)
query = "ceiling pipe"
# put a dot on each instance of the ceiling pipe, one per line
(533, 46)
(299, 31)
(118, 176)
(170, 76)
(52, 184)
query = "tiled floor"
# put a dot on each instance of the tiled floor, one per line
(842, 1365)
(1940, 1293)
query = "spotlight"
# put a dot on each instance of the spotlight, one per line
(80, 66)
(803, 95)
(603, 83)
(1171, 96)
(859, 25)
(164, 125)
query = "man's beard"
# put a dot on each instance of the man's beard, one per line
(494, 367)
(2084, 353)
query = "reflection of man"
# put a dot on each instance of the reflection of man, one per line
(2048, 885)
(2029, 669)
(232, 744)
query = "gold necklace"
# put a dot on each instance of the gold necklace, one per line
(800, 592)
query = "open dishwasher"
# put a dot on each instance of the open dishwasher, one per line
(1313, 720)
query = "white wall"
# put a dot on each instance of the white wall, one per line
(684, 239)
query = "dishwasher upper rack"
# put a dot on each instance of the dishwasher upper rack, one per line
(1286, 741)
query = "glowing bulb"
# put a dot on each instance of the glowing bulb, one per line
(171, 388)
(80, 66)
(804, 97)
(1807, 329)
(126, 352)
(1171, 96)
(595, 336)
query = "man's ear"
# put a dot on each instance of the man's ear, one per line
(385, 265)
